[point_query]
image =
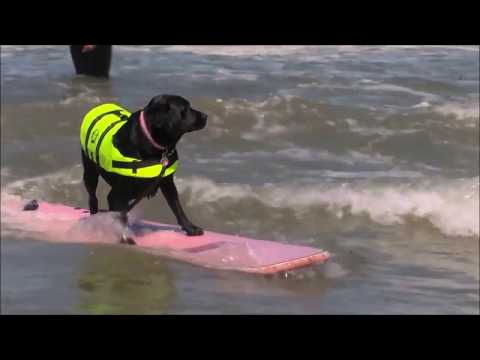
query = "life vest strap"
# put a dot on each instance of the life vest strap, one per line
(134, 165)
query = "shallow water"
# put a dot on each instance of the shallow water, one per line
(369, 152)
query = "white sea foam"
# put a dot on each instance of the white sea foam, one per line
(452, 206)
(460, 110)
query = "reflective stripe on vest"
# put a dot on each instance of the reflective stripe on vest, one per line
(99, 126)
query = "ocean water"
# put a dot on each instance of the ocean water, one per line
(369, 152)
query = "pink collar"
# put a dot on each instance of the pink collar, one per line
(143, 125)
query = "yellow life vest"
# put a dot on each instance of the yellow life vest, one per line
(96, 137)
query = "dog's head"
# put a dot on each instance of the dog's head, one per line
(171, 116)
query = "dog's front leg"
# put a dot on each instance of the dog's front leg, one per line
(169, 190)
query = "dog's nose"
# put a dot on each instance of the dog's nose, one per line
(204, 117)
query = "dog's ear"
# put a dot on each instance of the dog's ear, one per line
(158, 103)
(157, 112)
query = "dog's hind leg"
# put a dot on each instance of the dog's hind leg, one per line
(117, 203)
(90, 179)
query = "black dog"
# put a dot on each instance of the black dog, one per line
(165, 119)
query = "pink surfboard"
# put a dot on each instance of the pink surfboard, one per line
(61, 223)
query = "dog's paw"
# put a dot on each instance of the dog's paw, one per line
(125, 239)
(193, 230)
(93, 205)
